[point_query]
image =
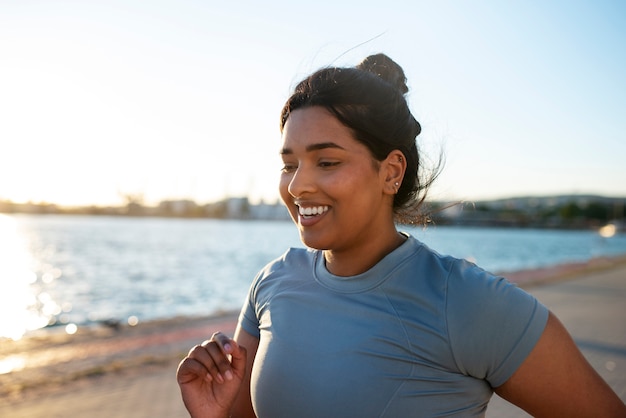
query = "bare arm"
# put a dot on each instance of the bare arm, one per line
(243, 404)
(556, 380)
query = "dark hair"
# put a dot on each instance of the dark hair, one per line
(369, 99)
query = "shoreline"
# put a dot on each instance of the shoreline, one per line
(49, 360)
(551, 274)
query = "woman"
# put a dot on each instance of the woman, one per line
(368, 321)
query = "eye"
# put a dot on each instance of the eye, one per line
(328, 164)
(288, 168)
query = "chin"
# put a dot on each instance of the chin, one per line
(315, 243)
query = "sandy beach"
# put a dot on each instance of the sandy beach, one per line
(130, 371)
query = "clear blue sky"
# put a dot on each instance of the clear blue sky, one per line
(180, 99)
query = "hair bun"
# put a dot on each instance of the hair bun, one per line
(385, 68)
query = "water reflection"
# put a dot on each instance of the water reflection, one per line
(77, 271)
(12, 364)
(21, 309)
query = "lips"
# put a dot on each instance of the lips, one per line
(311, 214)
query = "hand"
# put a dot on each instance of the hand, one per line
(211, 375)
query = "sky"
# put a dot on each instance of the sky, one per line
(180, 99)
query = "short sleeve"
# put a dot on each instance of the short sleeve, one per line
(493, 325)
(248, 319)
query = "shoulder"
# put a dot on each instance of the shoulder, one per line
(482, 308)
(416, 253)
(452, 274)
(474, 288)
(477, 308)
(293, 258)
(473, 291)
(276, 275)
(282, 268)
(437, 268)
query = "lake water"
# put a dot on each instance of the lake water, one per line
(80, 269)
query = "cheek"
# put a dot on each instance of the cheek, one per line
(350, 182)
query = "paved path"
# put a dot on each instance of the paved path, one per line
(592, 307)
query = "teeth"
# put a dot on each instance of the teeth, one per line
(312, 211)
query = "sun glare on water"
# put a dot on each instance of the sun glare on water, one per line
(16, 277)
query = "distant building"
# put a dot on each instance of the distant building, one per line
(274, 211)
(237, 208)
(182, 207)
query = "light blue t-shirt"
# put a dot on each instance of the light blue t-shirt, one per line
(419, 334)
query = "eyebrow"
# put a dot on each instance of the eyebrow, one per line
(314, 147)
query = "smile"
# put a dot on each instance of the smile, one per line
(312, 210)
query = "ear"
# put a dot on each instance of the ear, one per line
(393, 167)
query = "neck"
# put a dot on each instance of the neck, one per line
(355, 261)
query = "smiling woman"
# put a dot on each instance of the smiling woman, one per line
(369, 321)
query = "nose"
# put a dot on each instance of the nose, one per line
(301, 182)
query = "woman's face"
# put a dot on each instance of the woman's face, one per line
(331, 184)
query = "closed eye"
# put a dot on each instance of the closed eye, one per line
(288, 168)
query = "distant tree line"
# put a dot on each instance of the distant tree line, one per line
(231, 208)
(544, 212)
(587, 212)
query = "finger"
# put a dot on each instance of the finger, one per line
(191, 369)
(208, 354)
(223, 341)
(239, 359)
(216, 361)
